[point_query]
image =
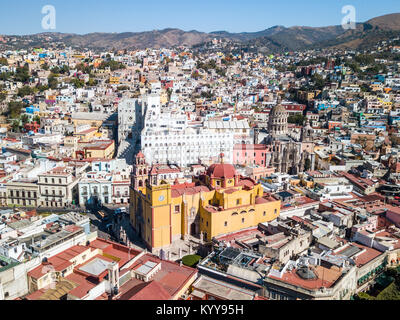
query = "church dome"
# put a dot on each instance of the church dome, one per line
(278, 111)
(222, 170)
(278, 120)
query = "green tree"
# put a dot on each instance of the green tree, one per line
(24, 119)
(22, 74)
(77, 83)
(113, 65)
(3, 96)
(24, 91)
(92, 82)
(3, 62)
(15, 126)
(195, 75)
(36, 119)
(14, 109)
(42, 88)
(319, 82)
(52, 81)
(191, 260)
(298, 119)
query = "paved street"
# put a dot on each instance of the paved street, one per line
(108, 229)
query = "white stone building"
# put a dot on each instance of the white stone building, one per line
(95, 189)
(168, 138)
(129, 118)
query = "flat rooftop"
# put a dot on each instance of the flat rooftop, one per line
(95, 267)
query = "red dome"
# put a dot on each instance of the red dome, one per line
(221, 170)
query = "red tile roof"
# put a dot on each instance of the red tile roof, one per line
(147, 291)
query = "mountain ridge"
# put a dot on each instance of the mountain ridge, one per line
(276, 38)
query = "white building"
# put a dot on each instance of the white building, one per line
(168, 138)
(129, 118)
(95, 189)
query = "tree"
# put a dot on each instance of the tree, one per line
(52, 81)
(36, 119)
(113, 65)
(3, 96)
(92, 82)
(319, 82)
(84, 68)
(22, 74)
(5, 76)
(42, 88)
(191, 260)
(365, 59)
(24, 119)
(3, 62)
(195, 75)
(77, 83)
(207, 95)
(15, 126)
(298, 119)
(365, 296)
(14, 109)
(24, 91)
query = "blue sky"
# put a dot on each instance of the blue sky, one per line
(85, 16)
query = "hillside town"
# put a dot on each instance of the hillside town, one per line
(200, 173)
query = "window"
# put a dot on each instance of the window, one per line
(177, 209)
(226, 223)
(243, 220)
(264, 214)
(238, 202)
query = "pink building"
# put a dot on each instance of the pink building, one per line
(250, 154)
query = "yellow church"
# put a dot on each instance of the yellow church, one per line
(217, 203)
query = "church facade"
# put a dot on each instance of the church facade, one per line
(218, 202)
(290, 153)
